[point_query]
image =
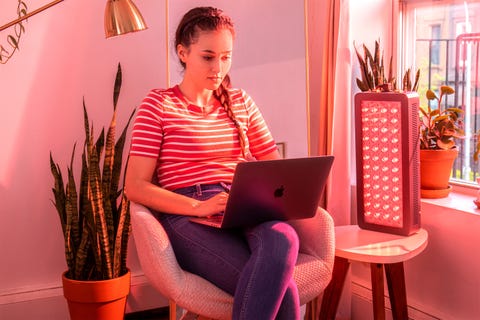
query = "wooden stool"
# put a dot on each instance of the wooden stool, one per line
(381, 251)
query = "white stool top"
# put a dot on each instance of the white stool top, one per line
(357, 244)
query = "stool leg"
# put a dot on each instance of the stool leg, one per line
(172, 306)
(333, 292)
(396, 288)
(376, 272)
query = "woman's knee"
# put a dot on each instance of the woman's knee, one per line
(276, 238)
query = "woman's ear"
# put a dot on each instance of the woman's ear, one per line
(181, 52)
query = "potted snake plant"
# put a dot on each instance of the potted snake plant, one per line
(95, 221)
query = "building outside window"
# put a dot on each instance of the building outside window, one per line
(442, 39)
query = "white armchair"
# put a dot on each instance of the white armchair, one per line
(312, 274)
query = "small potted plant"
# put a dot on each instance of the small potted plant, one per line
(439, 127)
(374, 75)
(95, 221)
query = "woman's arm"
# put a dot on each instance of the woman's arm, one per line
(139, 188)
(271, 156)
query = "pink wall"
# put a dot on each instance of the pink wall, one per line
(64, 57)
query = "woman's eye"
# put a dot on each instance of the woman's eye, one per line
(208, 58)
(226, 58)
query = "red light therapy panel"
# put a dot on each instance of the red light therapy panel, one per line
(387, 151)
(381, 163)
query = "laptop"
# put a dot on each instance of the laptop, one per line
(282, 189)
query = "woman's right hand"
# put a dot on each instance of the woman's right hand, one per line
(212, 206)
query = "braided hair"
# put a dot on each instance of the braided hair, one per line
(210, 19)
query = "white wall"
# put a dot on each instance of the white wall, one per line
(64, 57)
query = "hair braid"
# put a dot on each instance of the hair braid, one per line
(222, 95)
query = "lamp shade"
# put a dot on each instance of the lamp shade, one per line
(122, 16)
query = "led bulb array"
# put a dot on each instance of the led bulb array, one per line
(382, 157)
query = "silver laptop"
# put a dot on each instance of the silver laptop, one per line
(266, 190)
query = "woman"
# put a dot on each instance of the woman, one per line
(188, 139)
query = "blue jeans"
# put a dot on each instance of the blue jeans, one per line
(254, 264)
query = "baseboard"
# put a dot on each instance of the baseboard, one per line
(362, 307)
(48, 303)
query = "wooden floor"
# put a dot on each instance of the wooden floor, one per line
(155, 314)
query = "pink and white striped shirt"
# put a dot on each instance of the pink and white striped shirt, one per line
(193, 147)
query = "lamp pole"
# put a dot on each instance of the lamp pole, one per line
(28, 15)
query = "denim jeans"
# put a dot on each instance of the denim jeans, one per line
(254, 264)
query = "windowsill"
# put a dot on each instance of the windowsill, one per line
(460, 199)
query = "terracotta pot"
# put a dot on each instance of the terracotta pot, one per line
(435, 170)
(97, 300)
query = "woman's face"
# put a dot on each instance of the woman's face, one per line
(209, 59)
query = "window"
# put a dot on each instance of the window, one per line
(442, 39)
(435, 44)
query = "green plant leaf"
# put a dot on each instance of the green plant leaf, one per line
(96, 237)
(417, 79)
(364, 71)
(12, 41)
(446, 90)
(362, 86)
(117, 86)
(431, 95)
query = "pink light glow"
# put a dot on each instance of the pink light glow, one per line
(382, 172)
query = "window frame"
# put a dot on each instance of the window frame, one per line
(406, 30)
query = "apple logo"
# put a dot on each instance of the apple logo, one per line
(278, 193)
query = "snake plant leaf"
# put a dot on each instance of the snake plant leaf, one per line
(121, 239)
(406, 84)
(369, 60)
(417, 79)
(96, 198)
(362, 86)
(106, 179)
(117, 86)
(364, 70)
(84, 205)
(391, 78)
(58, 192)
(82, 255)
(73, 238)
(117, 168)
(86, 124)
(72, 202)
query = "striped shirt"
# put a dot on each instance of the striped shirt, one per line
(193, 147)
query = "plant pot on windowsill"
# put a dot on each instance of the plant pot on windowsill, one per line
(438, 131)
(435, 171)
